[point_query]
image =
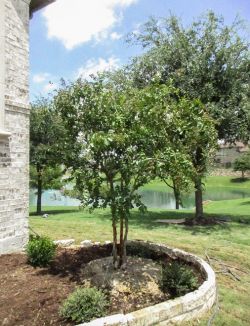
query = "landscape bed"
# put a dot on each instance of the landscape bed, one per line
(214, 241)
(33, 296)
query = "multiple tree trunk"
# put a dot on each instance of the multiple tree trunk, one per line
(119, 250)
(120, 214)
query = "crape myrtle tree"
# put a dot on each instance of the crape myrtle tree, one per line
(46, 133)
(117, 140)
(207, 60)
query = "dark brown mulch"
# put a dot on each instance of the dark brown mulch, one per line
(206, 221)
(32, 297)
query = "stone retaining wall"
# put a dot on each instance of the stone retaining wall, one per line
(187, 307)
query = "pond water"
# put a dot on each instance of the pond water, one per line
(151, 198)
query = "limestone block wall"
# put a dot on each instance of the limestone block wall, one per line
(172, 312)
(14, 125)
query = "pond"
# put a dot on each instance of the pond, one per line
(151, 198)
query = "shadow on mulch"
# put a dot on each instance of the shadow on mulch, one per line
(69, 262)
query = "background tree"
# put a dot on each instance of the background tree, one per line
(47, 177)
(242, 164)
(197, 131)
(46, 134)
(179, 184)
(207, 60)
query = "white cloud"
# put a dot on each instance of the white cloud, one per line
(40, 78)
(93, 66)
(75, 22)
(115, 36)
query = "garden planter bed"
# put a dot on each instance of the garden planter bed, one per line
(33, 296)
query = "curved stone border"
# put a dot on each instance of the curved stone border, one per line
(189, 306)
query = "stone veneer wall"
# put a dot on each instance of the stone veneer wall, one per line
(172, 312)
(14, 149)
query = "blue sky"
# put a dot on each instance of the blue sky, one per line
(78, 37)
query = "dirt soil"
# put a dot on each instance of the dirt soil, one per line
(32, 297)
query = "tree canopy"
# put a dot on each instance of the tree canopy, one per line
(119, 139)
(207, 60)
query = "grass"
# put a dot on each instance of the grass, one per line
(237, 209)
(229, 243)
(210, 182)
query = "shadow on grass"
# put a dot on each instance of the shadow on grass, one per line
(55, 211)
(149, 219)
(239, 180)
(246, 203)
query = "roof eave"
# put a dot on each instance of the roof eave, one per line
(39, 4)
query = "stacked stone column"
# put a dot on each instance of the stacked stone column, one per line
(14, 124)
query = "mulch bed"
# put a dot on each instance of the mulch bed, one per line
(32, 297)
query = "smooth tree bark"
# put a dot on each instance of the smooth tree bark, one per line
(39, 190)
(114, 217)
(198, 164)
(198, 200)
(123, 238)
(114, 253)
(177, 193)
(177, 196)
(119, 249)
(121, 258)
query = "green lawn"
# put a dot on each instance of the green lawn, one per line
(211, 181)
(230, 242)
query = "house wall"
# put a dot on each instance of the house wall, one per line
(226, 156)
(14, 115)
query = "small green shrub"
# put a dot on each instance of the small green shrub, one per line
(40, 251)
(178, 279)
(84, 304)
